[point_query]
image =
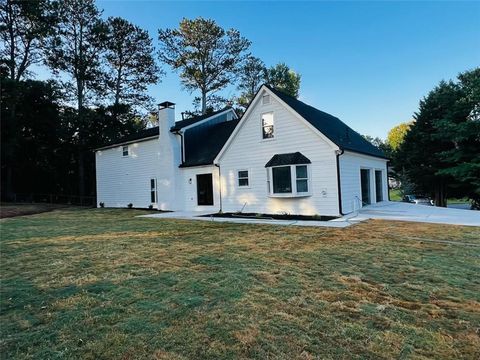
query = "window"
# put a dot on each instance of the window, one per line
(290, 180)
(282, 180)
(243, 178)
(266, 99)
(153, 191)
(125, 151)
(267, 126)
(302, 178)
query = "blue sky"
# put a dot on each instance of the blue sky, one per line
(368, 63)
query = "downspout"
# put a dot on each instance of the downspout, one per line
(179, 133)
(338, 153)
(388, 185)
(219, 185)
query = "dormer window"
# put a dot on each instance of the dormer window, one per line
(125, 150)
(267, 125)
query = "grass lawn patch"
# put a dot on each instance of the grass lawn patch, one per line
(104, 284)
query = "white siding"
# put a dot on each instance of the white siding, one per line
(249, 151)
(123, 180)
(189, 195)
(350, 165)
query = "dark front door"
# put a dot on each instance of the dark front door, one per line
(365, 180)
(204, 189)
(378, 185)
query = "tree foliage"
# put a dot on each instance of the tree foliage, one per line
(397, 134)
(207, 56)
(440, 152)
(284, 79)
(251, 77)
(131, 67)
(24, 27)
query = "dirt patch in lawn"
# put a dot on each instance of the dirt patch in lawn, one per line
(8, 210)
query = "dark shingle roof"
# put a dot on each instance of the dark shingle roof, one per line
(330, 126)
(203, 143)
(142, 134)
(288, 159)
(187, 122)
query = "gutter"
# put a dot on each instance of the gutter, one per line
(338, 154)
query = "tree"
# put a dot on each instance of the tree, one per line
(251, 77)
(379, 143)
(440, 152)
(397, 134)
(131, 66)
(207, 56)
(284, 79)
(24, 26)
(460, 127)
(76, 51)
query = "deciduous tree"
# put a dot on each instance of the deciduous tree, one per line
(252, 76)
(284, 79)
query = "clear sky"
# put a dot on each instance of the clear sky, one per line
(368, 63)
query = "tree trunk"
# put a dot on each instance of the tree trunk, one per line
(440, 194)
(81, 173)
(204, 102)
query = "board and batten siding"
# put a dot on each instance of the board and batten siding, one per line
(126, 179)
(350, 164)
(248, 151)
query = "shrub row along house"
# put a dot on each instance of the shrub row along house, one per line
(282, 156)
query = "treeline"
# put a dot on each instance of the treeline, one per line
(101, 70)
(438, 153)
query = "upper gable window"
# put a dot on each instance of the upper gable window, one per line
(266, 99)
(267, 126)
(125, 150)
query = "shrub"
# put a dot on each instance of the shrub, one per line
(102, 204)
(130, 205)
(150, 207)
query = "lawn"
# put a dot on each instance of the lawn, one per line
(103, 284)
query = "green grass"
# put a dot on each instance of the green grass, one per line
(395, 195)
(103, 284)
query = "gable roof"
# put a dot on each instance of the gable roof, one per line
(288, 159)
(203, 143)
(194, 119)
(330, 126)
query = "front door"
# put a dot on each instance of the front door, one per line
(365, 181)
(204, 189)
(378, 185)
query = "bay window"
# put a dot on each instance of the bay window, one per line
(288, 181)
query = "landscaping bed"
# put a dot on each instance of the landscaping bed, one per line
(272, 216)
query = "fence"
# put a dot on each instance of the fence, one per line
(55, 199)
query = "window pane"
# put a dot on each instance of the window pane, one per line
(268, 132)
(267, 125)
(282, 180)
(302, 186)
(302, 172)
(243, 182)
(243, 174)
(125, 150)
(152, 196)
(152, 184)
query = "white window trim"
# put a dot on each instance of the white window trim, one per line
(123, 151)
(261, 126)
(264, 96)
(237, 178)
(293, 179)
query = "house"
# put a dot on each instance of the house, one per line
(282, 156)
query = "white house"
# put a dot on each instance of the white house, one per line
(282, 156)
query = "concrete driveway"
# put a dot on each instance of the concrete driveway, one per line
(390, 210)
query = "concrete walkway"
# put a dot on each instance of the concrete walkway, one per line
(387, 210)
(187, 215)
(390, 210)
